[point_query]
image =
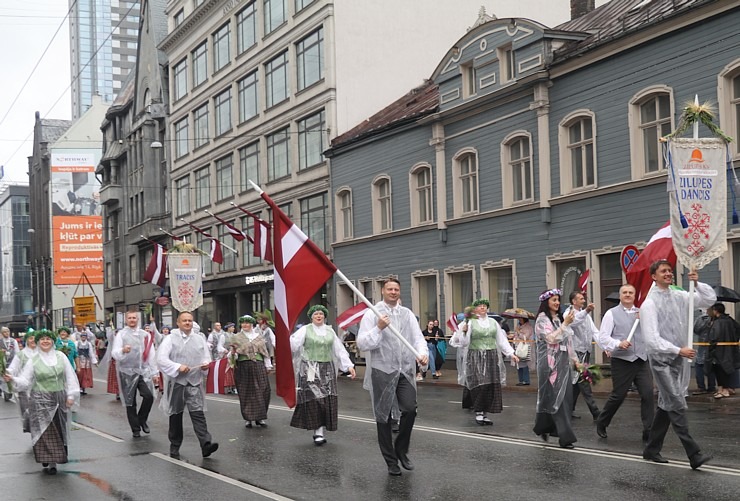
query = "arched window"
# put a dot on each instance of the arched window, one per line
(344, 214)
(728, 92)
(650, 118)
(382, 208)
(517, 170)
(421, 194)
(465, 191)
(577, 146)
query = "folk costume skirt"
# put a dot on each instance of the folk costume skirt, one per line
(112, 378)
(317, 402)
(253, 388)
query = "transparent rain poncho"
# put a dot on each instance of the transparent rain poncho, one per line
(193, 352)
(555, 357)
(317, 355)
(387, 355)
(131, 366)
(15, 368)
(664, 320)
(481, 352)
(50, 380)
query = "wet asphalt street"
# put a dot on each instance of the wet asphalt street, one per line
(454, 457)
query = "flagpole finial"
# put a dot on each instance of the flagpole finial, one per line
(257, 188)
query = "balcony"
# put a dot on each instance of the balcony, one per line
(111, 194)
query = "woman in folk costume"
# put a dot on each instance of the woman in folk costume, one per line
(53, 389)
(317, 355)
(112, 388)
(67, 345)
(229, 382)
(252, 360)
(555, 360)
(86, 358)
(483, 371)
(15, 368)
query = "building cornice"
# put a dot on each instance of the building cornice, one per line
(190, 22)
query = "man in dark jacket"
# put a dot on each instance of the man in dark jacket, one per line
(723, 359)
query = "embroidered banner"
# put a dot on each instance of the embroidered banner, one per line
(698, 183)
(185, 273)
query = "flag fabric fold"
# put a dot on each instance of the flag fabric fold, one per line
(583, 280)
(351, 316)
(301, 269)
(262, 238)
(156, 271)
(660, 246)
(452, 322)
(215, 383)
(235, 232)
(216, 254)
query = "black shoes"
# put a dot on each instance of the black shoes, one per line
(248, 424)
(601, 430)
(145, 427)
(575, 416)
(394, 470)
(568, 446)
(405, 461)
(698, 459)
(174, 453)
(209, 449)
(655, 458)
(136, 434)
(261, 422)
(319, 440)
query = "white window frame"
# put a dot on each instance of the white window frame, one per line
(486, 268)
(507, 174)
(380, 226)
(452, 270)
(637, 146)
(416, 296)
(458, 181)
(729, 112)
(416, 193)
(507, 64)
(344, 214)
(565, 147)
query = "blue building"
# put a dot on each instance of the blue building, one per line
(531, 155)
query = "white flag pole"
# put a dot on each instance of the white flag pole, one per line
(360, 295)
(632, 331)
(691, 282)
(372, 307)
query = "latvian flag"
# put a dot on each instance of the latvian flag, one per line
(452, 322)
(351, 316)
(156, 271)
(217, 376)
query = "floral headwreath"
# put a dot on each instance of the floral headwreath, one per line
(318, 307)
(550, 293)
(65, 329)
(247, 318)
(481, 301)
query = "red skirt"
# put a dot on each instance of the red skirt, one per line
(86, 377)
(229, 380)
(112, 378)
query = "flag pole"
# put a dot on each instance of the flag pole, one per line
(213, 238)
(372, 307)
(170, 234)
(365, 300)
(691, 282)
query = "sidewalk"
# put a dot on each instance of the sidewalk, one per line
(603, 389)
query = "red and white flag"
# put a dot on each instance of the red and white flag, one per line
(217, 376)
(216, 254)
(262, 240)
(452, 322)
(351, 316)
(156, 272)
(583, 280)
(660, 246)
(235, 232)
(301, 269)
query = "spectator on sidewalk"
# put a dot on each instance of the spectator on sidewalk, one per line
(705, 382)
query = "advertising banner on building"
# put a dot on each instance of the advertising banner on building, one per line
(185, 273)
(77, 226)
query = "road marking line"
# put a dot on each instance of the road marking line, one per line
(97, 432)
(236, 483)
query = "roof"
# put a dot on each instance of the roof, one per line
(127, 91)
(421, 101)
(619, 18)
(52, 129)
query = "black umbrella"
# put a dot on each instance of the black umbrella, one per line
(612, 298)
(726, 295)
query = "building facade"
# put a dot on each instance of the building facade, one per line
(15, 261)
(134, 175)
(257, 90)
(102, 36)
(531, 156)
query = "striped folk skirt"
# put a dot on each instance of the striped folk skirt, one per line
(86, 377)
(112, 378)
(484, 381)
(253, 388)
(312, 412)
(51, 447)
(229, 379)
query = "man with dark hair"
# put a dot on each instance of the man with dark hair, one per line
(629, 362)
(722, 357)
(705, 380)
(391, 367)
(182, 358)
(584, 331)
(664, 318)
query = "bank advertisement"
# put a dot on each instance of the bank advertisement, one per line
(76, 221)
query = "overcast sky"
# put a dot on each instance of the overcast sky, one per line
(27, 27)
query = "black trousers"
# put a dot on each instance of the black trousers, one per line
(585, 388)
(135, 419)
(198, 419)
(558, 424)
(663, 419)
(624, 373)
(406, 396)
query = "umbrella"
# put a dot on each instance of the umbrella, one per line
(517, 313)
(612, 298)
(725, 294)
